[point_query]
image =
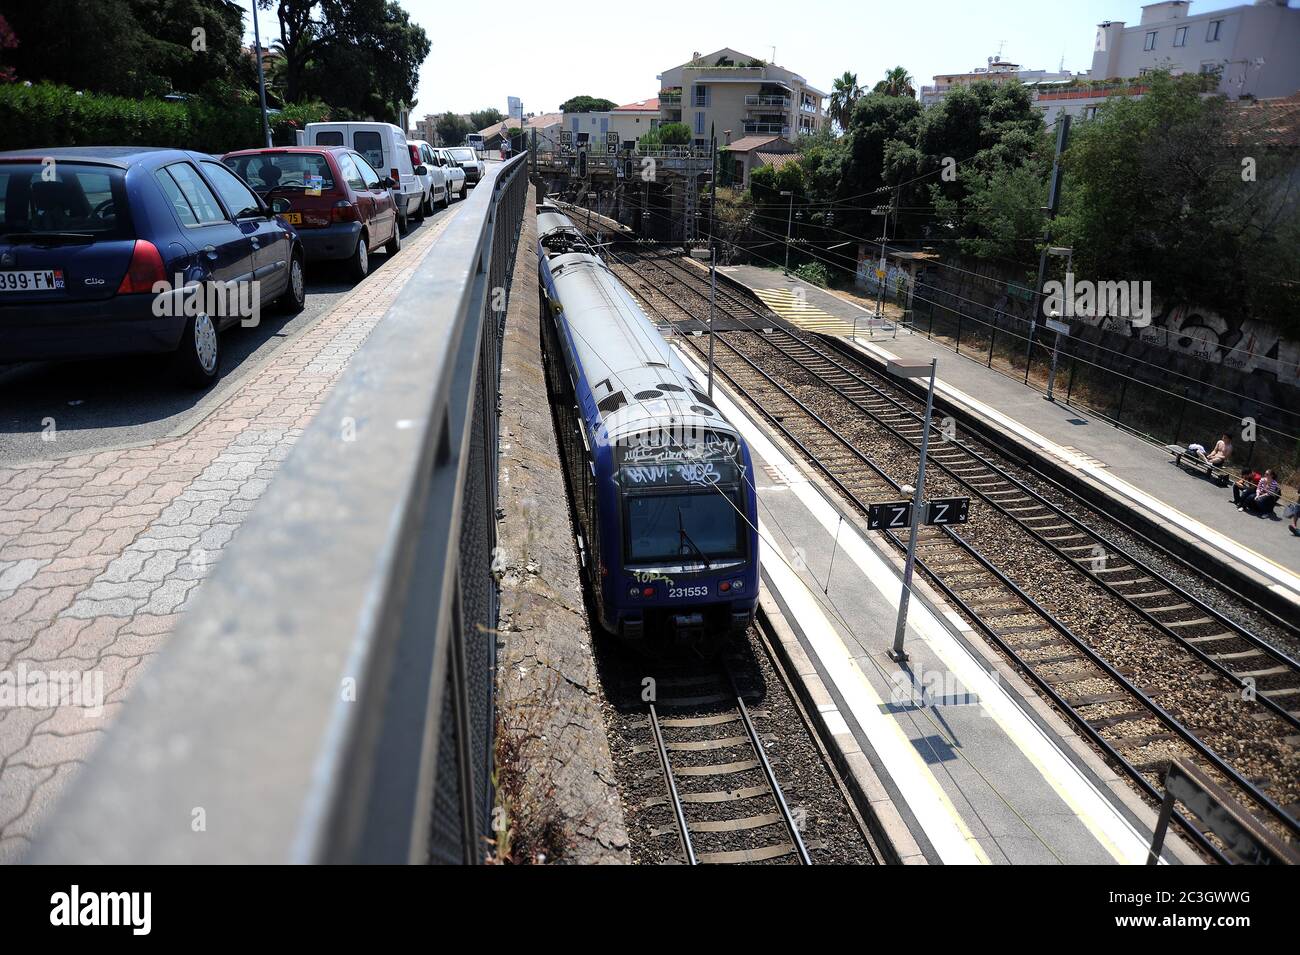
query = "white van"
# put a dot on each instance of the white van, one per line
(384, 146)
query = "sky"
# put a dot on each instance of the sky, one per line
(546, 52)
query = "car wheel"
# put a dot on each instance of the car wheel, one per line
(198, 359)
(294, 299)
(419, 209)
(394, 244)
(403, 224)
(359, 265)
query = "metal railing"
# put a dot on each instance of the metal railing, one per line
(773, 128)
(328, 698)
(763, 99)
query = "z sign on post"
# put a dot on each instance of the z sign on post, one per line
(950, 510)
(895, 514)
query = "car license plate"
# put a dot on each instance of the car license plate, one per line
(31, 281)
(293, 218)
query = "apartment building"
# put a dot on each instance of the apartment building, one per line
(737, 95)
(998, 71)
(1255, 48)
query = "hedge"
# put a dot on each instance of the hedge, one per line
(48, 115)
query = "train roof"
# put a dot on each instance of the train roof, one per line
(635, 377)
(548, 221)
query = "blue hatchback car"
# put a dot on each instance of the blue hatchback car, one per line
(108, 250)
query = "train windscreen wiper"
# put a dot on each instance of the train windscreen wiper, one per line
(685, 537)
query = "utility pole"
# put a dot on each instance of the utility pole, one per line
(713, 251)
(884, 236)
(261, 78)
(1053, 201)
(789, 223)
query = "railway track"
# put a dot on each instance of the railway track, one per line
(1137, 703)
(702, 758)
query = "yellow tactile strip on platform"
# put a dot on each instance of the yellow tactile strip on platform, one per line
(794, 308)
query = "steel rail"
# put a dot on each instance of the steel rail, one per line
(679, 811)
(1130, 769)
(757, 743)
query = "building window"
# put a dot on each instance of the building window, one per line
(1150, 43)
(699, 124)
(1180, 36)
(701, 95)
(1212, 33)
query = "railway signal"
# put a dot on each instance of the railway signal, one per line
(889, 516)
(947, 510)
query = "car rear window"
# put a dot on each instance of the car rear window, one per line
(463, 155)
(329, 137)
(283, 170)
(203, 205)
(61, 196)
(371, 147)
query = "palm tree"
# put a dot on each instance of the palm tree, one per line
(897, 82)
(844, 94)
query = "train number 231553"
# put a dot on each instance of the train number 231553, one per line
(688, 592)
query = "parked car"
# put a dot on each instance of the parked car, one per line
(468, 160)
(116, 250)
(385, 148)
(434, 180)
(455, 175)
(340, 206)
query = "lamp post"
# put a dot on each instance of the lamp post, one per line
(261, 78)
(902, 369)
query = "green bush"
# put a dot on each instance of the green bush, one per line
(48, 115)
(814, 273)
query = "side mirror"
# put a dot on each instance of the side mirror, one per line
(421, 170)
(387, 183)
(279, 206)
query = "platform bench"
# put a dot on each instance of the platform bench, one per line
(1191, 462)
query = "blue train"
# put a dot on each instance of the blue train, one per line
(666, 515)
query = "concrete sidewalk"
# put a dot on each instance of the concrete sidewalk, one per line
(101, 553)
(1133, 472)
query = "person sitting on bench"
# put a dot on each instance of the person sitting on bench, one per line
(1221, 453)
(1264, 497)
(1244, 485)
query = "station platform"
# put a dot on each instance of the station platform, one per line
(1129, 477)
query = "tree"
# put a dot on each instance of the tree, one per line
(669, 134)
(8, 41)
(897, 82)
(845, 92)
(1188, 193)
(361, 56)
(587, 104)
(452, 129)
(483, 118)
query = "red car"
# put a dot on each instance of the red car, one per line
(340, 207)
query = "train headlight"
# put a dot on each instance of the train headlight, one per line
(737, 585)
(634, 592)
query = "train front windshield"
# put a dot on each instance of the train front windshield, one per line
(684, 527)
(682, 501)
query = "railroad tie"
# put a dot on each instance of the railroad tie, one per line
(1236, 656)
(1211, 638)
(739, 856)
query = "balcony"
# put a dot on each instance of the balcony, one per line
(670, 100)
(765, 99)
(766, 129)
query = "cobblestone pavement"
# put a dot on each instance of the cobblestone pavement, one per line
(100, 553)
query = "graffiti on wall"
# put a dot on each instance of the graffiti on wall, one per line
(1246, 346)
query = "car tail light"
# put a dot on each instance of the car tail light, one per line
(344, 211)
(415, 155)
(394, 175)
(146, 269)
